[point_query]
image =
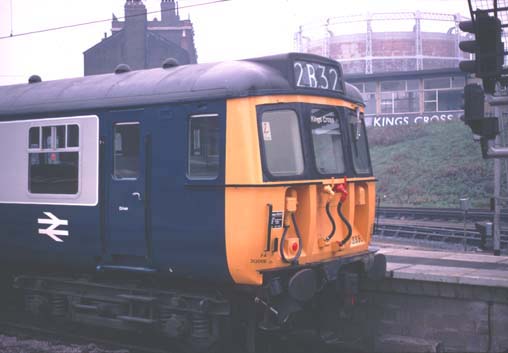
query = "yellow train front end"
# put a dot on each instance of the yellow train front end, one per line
(299, 208)
(290, 161)
(299, 195)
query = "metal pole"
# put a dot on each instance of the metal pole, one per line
(376, 224)
(497, 209)
(465, 205)
(465, 239)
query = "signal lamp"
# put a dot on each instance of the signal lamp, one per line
(487, 47)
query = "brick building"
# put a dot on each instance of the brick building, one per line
(143, 44)
(405, 64)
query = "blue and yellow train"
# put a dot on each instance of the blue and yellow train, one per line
(189, 200)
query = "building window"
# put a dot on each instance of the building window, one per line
(282, 142)
(53, 164)
(370, 86)
(430, 101)
(203, 161)
(386, 102)
(458, 81)
(370, 103)
(126, 152)
(406, 102)
(439, 82)
(441, 94)
(450, 99)
(400, 97)
(368, 90)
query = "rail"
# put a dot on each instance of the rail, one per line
(472, 215)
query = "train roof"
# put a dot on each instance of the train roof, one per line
(227, 79)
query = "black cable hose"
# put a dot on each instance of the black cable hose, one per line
(294, 260)
(332, 233)
(281, 248)
(348, 225)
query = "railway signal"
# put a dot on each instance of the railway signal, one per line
(487, 47)
(474, 113)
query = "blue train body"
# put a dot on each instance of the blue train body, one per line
(150, 221)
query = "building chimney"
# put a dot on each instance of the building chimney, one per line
(135, 28)
(169, 15)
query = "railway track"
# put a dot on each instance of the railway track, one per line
(20, 325)
(78, 338)
(437, 225)
(449, 235)
(449, 214)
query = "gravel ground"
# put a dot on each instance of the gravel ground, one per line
(10, 344)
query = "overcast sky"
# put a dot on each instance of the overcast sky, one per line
(229, 30)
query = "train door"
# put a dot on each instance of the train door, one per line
(126, 211)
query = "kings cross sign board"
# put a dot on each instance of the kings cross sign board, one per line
(411, 118)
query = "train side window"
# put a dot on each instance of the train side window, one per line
(282, 142)
(360, 149)
(72, 135)
(53, 167)
(34, 136)
(126, 154)
(46, 137)
(203, 147)
(60, 136)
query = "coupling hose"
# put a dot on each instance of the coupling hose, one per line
(348, 225)
(294, 260)
(332, 233)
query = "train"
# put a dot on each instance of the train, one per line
(199, 202)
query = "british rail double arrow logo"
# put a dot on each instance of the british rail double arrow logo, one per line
(54, 223)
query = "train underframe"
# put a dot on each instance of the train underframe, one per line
(206, 318)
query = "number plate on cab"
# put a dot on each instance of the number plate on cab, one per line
(317, 76)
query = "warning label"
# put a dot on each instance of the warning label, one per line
(277, 218)
(267, 131)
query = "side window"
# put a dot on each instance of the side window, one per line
(53, 164)
(282, 142)
(203, 148)
(126, 151)
(359, 148)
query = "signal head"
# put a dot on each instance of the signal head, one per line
(467, 26)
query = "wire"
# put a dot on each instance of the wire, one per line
(108, 20)
(11, 18)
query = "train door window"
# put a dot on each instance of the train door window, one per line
(359, 148)
(46, 137)
(72, 136)
(126, 150)
(203, 147)
(60, 137)
(282, 142)
(53, 165)
(327, 141)
(34, 137)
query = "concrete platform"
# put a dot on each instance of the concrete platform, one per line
(445, 266)
(433, 300)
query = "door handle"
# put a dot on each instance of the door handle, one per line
(137, 194)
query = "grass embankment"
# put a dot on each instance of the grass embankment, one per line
(430, 166)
